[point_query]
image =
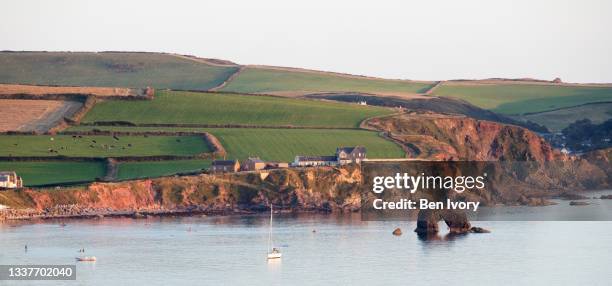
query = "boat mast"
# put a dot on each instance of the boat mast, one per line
(270, 231)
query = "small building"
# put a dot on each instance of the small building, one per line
(348, 155)
(253, 164)
(225, 166)
(311, 161)
(10, 180)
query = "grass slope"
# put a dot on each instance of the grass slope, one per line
(261, 80)
(285, 144)
(523, 98)
(110, 69)
(29, 145)
(210, 108)
(42, 173)
(556, 120)
(133, 170)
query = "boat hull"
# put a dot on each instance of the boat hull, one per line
(274, 255)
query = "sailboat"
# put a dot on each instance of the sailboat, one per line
(273, 252)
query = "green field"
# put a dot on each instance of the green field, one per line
(42, 173)
(110, 69)
(522, 98)
(558, 119)
(173, 107)
(261, 80)
(284, 144)
(101, 146)
(133, 170)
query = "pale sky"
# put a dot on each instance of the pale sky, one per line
(427, 40)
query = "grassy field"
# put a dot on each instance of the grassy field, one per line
(210, 108)
(110, 69)
(522, 98)
(285, 144)
(42, 173)
(100, 146)
(261, 80)
(133, 170)
(558, 119)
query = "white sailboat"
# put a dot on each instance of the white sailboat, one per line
(273, 252)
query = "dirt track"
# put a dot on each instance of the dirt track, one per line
(34, 115)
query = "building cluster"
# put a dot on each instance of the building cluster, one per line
(344, 155)
(10, 180)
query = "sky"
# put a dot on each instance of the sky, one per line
(423, 40)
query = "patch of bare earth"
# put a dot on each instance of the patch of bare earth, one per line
(15, 89)
(34, 115)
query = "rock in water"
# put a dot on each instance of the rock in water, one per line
(397, 231)
(457, 221)
(427, 222)
(574, 203)
(476, 229)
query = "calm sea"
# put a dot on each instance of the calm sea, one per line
(317, 250)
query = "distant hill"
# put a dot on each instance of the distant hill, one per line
(516, 98)
(519, 98)
(117, 69)
(296, 82)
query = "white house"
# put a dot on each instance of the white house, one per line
(10, 180)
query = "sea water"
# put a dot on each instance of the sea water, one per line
(317, 250)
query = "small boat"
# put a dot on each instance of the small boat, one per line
(273, 252)
(86, 258)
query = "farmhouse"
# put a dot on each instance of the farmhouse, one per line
(10, 180)
(347, 155)
(253, 164)
(344, 155)
(222, 166)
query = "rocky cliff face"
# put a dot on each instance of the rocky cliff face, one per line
(443, 137)
(309, 189)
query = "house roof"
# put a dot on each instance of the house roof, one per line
(224, 162)
(358, 149)
(315, 158)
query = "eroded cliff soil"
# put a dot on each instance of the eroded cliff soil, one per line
(446, 137)
(309, 189)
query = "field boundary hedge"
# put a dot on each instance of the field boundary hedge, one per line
(187, 125)
(569, 107)
(62, 158)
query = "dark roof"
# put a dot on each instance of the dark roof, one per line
(359, 149)
(224, 162)
(316, 158)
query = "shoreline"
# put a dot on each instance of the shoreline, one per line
(33, 215)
